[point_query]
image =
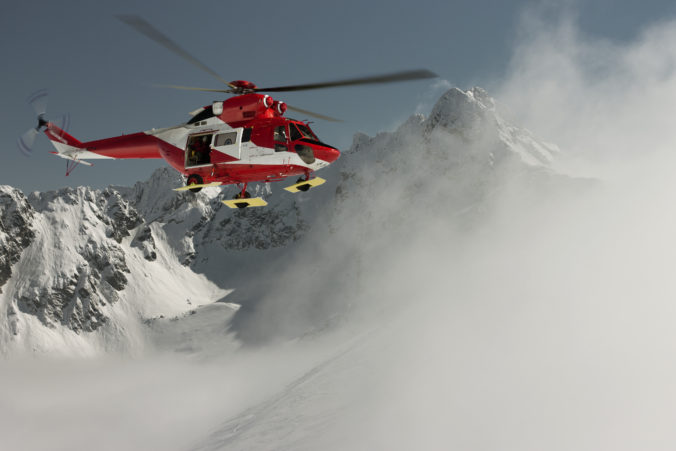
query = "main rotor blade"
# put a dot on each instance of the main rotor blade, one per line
(310, 113)
(190, 88)
(143, 27)
(375, 79)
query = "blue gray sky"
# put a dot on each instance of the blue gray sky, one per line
(101, 72)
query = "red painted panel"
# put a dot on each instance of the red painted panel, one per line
(136, 145)
(174, 156)
(244, 110)
(326, 153)
(220, 157)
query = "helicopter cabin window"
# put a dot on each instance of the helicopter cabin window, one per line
(198, 150)
(226, 139)
(295, 134)
(280, 134)
(279, 138)
(246, 135)
(306, 132)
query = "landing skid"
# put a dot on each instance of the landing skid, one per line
(244, 200)
(245, 203)
(305, 185)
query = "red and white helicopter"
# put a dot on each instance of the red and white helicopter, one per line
(243, 139)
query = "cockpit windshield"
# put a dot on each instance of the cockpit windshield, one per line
(299, 131)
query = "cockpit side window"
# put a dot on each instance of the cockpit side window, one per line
(293, 131)
(280, 134)
(280, 139)
(306, 132)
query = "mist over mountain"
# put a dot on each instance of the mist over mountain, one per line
(447, 287)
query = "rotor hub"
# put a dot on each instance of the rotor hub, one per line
(243, 85)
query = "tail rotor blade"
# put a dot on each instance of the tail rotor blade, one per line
(26, 141)
(63, 122)
(38, 101)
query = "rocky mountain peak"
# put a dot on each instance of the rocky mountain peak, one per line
(473, 117)
(463, 112)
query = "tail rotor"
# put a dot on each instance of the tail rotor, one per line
(38, 101)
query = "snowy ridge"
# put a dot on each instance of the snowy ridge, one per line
(92, 279)
(115, 258)
(454, 160)
(473, 115)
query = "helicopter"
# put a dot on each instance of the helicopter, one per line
(240, 140)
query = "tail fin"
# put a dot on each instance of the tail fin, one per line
(66, 146)
(62, 141)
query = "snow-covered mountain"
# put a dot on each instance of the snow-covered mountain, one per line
(85, 271)
(83, 268)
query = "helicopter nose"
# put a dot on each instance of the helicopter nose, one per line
(329, 154)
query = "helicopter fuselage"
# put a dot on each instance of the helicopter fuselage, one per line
(242, 139)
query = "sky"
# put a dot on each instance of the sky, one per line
(101, 72)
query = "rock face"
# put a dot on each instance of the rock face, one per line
(257, 229)
(450, 161)
(16, 232)
(92, 264)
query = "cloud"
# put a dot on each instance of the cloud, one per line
(607, 103)
(545, 323)
(431, 95)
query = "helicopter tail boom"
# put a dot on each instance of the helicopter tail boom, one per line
(135, 145)
(66, 145)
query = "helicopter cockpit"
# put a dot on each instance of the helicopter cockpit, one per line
(298, 130)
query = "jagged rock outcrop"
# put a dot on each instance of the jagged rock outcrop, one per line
(16, 232)
(254, 229)
(146, 243)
